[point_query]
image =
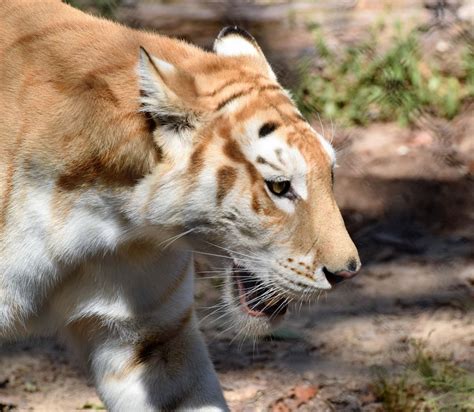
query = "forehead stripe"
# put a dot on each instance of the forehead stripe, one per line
(232, 97)
(219, 89)
(244, 81)
(263, 161)
(241, 93)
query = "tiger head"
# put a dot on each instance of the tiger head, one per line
(243, 170)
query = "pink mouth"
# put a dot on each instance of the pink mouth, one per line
(256, 300)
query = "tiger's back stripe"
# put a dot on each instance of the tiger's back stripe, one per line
(47, 31)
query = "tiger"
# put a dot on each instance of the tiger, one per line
(124, 155)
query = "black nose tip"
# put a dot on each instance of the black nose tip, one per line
(352, 265)
(337, 277)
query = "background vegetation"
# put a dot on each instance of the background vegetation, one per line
(427, 383)
(368, 81)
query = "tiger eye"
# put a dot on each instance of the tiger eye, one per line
(279, 188)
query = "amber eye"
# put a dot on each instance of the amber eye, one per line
(278, 188)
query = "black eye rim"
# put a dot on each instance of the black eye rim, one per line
(284, 192)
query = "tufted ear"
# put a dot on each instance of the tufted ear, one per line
(166, 94)
(234, 41)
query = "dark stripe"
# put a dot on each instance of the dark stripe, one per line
(234, 96)
(226, 177)
(267, 128)
(151, 345)
(221, 88)
(96, 168)
(41, 34)
(197, 159)
(255, 203)
(278, 153)
(269, 87)
(263, 161)
(232, 150)
(101, 88)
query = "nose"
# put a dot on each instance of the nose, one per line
(341, 275)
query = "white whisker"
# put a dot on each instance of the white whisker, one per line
(171, 240)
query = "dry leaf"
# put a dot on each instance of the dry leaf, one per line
(304, 393)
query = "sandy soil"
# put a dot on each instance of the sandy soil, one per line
(407, 205)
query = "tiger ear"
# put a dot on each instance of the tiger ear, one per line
(166, 93)
(234, 41)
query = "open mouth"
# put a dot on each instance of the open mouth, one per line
(256, 299)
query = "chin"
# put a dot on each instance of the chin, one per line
(254, 309)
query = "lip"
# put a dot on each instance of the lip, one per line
(332, 278)
(251, 293)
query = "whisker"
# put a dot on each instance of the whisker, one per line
(321, 124)
(210, 254)
(226, 257)
(174, 238)
(237, 253)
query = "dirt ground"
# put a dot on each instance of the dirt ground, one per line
(408, 200)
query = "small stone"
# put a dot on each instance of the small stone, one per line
(403, 150)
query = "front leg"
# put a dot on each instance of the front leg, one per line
(166, 370)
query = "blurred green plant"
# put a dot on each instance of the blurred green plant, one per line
(428, 383)
(363, 83)
(105, 8)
